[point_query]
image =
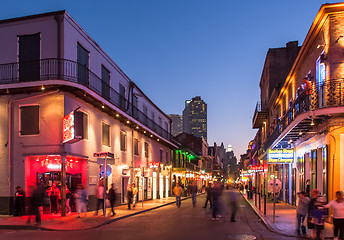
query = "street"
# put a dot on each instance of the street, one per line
(167, 223)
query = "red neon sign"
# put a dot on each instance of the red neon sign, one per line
(154, 164)
(68, 127)
(257, 168)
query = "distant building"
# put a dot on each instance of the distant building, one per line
(195, 117)
(177, 124)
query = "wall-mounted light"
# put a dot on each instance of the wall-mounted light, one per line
(151, 135)
(128, 122)
(117, 115)
(312, 123)
(42, 88)
(137, 127)
(300, 133)
(158, 139)
(144, 131)
(103, 106)
(7, 91)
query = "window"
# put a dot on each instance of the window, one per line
(29, 120)
(29, 56)
(106, 134)
(136, 146)
(144, 114)
(166, 127)
(85, 130)
(135, 102)
(160, 122)
(167, 161)
(123, 141)
(121, 96)
(83, 65)
(146, 150)
(161, 153)
(105, 83)
(153, 116)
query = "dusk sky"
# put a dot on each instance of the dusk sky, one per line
(175, 50)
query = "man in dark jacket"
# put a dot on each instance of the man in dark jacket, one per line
(20, 202)
(209, 197)
(193, 192)
(36, 201)
(112, 199)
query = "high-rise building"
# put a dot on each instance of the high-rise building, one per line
(177, 124)
(195, 117)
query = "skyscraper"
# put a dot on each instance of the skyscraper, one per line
(177, 124)
(195, 117)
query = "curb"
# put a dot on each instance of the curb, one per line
(31, 227)
(267, 225)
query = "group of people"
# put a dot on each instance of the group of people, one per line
(214, 192)
(132, 192)
(110, 195)
(315, 210)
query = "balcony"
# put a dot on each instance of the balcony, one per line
(70, 71)
(260, 115)
(311, 108)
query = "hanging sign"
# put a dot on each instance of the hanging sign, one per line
(154, 164)
(257, 168)
(279, 156)
(72, 127)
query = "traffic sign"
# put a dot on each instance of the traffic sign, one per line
(102, 170)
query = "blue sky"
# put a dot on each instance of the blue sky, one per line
(175, 50)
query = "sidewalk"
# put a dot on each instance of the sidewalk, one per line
(285, 218)
(71, 222)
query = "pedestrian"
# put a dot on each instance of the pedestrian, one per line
(301, 212)
(129, 196)
(338, 215)
(80, 199)
(311, 206)
(112, 198)
(177, 190)
(36, 201)
(19, 202)
(68, 196)
(134, 192)
(55, 195)
(308, 188)
(209, 197)
(216, 193)
(100, 197)
(319, 215)
(193, 192)
(233, 200)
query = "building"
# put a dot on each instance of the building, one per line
(195, 117)
(64, 99)
(306, 115)
(190, 162)
(176, 124)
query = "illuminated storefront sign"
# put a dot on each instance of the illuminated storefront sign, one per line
(257, 168)
(72, 127)
(154, 164)
(276, 156)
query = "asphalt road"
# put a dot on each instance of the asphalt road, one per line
(167, 223)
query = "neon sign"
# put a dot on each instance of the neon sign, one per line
(68, 128)
(278, 156)
(72, 127)
(257, 168)
(154, 164)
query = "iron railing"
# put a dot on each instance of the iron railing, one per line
(328, 94)
(67, 70)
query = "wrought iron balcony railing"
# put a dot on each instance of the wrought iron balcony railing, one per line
(260, 114)
(67, 70)
(330, 94)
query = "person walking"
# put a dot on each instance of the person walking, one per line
(301, 212)
(233, 201)
(134, 192)
(209, 197)
(80, 200)
(193, 190)
(314, 194)
(112, 198)
(68, 196)
(19, 202)
(36, 201)
(216, 193)
(338, 215)
(55, 195)
(100, 198)
(177, 190)
(129, 196)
